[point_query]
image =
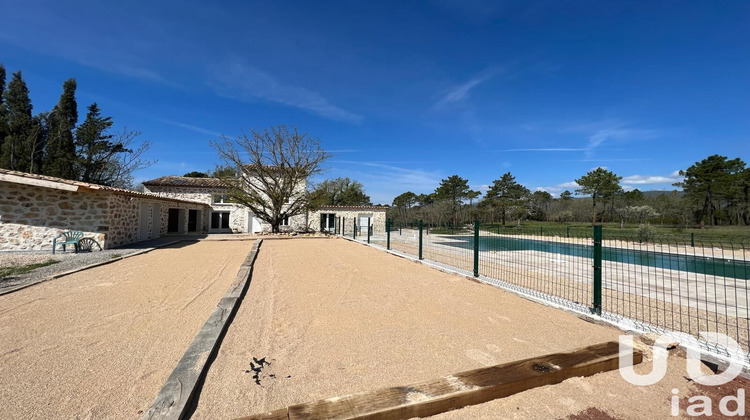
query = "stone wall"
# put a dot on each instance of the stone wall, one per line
(31, 217)
(123, 226)
(348, 216)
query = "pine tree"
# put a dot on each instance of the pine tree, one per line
(599, 183)
(506, 194)
(710, 182)
(17, 151)
(95, 148)
(61, 149)
(453, 190)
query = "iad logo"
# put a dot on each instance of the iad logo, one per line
(700, 405)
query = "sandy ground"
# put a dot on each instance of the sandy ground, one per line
(334, 317)
(100, 343)
(670, 299)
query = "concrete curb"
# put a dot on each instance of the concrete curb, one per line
(173, 401)
(85, 267)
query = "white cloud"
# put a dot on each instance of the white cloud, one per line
(190, 127)
(383, 180)
(245, 82)
(461, 92)
(650, 179)
(551, 149)
(611, 130)
(555, 190)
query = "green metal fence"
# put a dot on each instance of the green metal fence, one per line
(662, 283)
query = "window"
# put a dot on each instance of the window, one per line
(220, 220)
(223, 199)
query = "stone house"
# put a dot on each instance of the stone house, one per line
(231, 217)
(224, 215)
(334, 218)
(34, 209)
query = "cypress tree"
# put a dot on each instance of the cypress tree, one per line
(17, 152)
(61, 150)
(38, 137)
(3, 116)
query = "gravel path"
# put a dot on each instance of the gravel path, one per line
(69, 260)
(100, 343)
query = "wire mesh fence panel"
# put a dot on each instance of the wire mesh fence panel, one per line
(557, 265)
(675, 286)
(658, 282)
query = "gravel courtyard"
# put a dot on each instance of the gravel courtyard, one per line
(334, 317)
(100, 343)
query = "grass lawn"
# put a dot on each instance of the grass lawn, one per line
(6, 272)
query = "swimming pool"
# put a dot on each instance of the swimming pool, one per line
(736, 269)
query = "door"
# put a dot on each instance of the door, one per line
(173, 221)
(327, 222)
(192, 221)
(363, 223)
(155, 220)
(145, 215)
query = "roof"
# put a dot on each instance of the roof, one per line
(335, 207)
(182, 181)
(16, 177)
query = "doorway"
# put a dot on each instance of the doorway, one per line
(220, 221)
(173, 221)
(192, 221)
(327, 222)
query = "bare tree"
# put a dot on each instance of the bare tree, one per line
(114, 159)
(274, 165)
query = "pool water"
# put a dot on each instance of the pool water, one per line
(736, 269)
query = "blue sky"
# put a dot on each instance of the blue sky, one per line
(408, 93)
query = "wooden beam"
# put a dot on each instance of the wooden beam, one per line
(173, 400)
(477, 386)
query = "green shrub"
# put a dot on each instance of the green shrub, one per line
(645, 233)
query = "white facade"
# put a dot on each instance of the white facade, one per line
(224, 216)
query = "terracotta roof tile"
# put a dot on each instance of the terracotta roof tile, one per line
(90, 186)
(336, 207)
(181, 181)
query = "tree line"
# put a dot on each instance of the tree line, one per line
(53, 143)
(715, 191)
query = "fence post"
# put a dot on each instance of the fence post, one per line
(368, 230)
(541, 230)
(354, 232)
(476, 248)
(420, 239)
(567, 231)
(692, 239)
(498, 230)
(598, 269)
(388, 234)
